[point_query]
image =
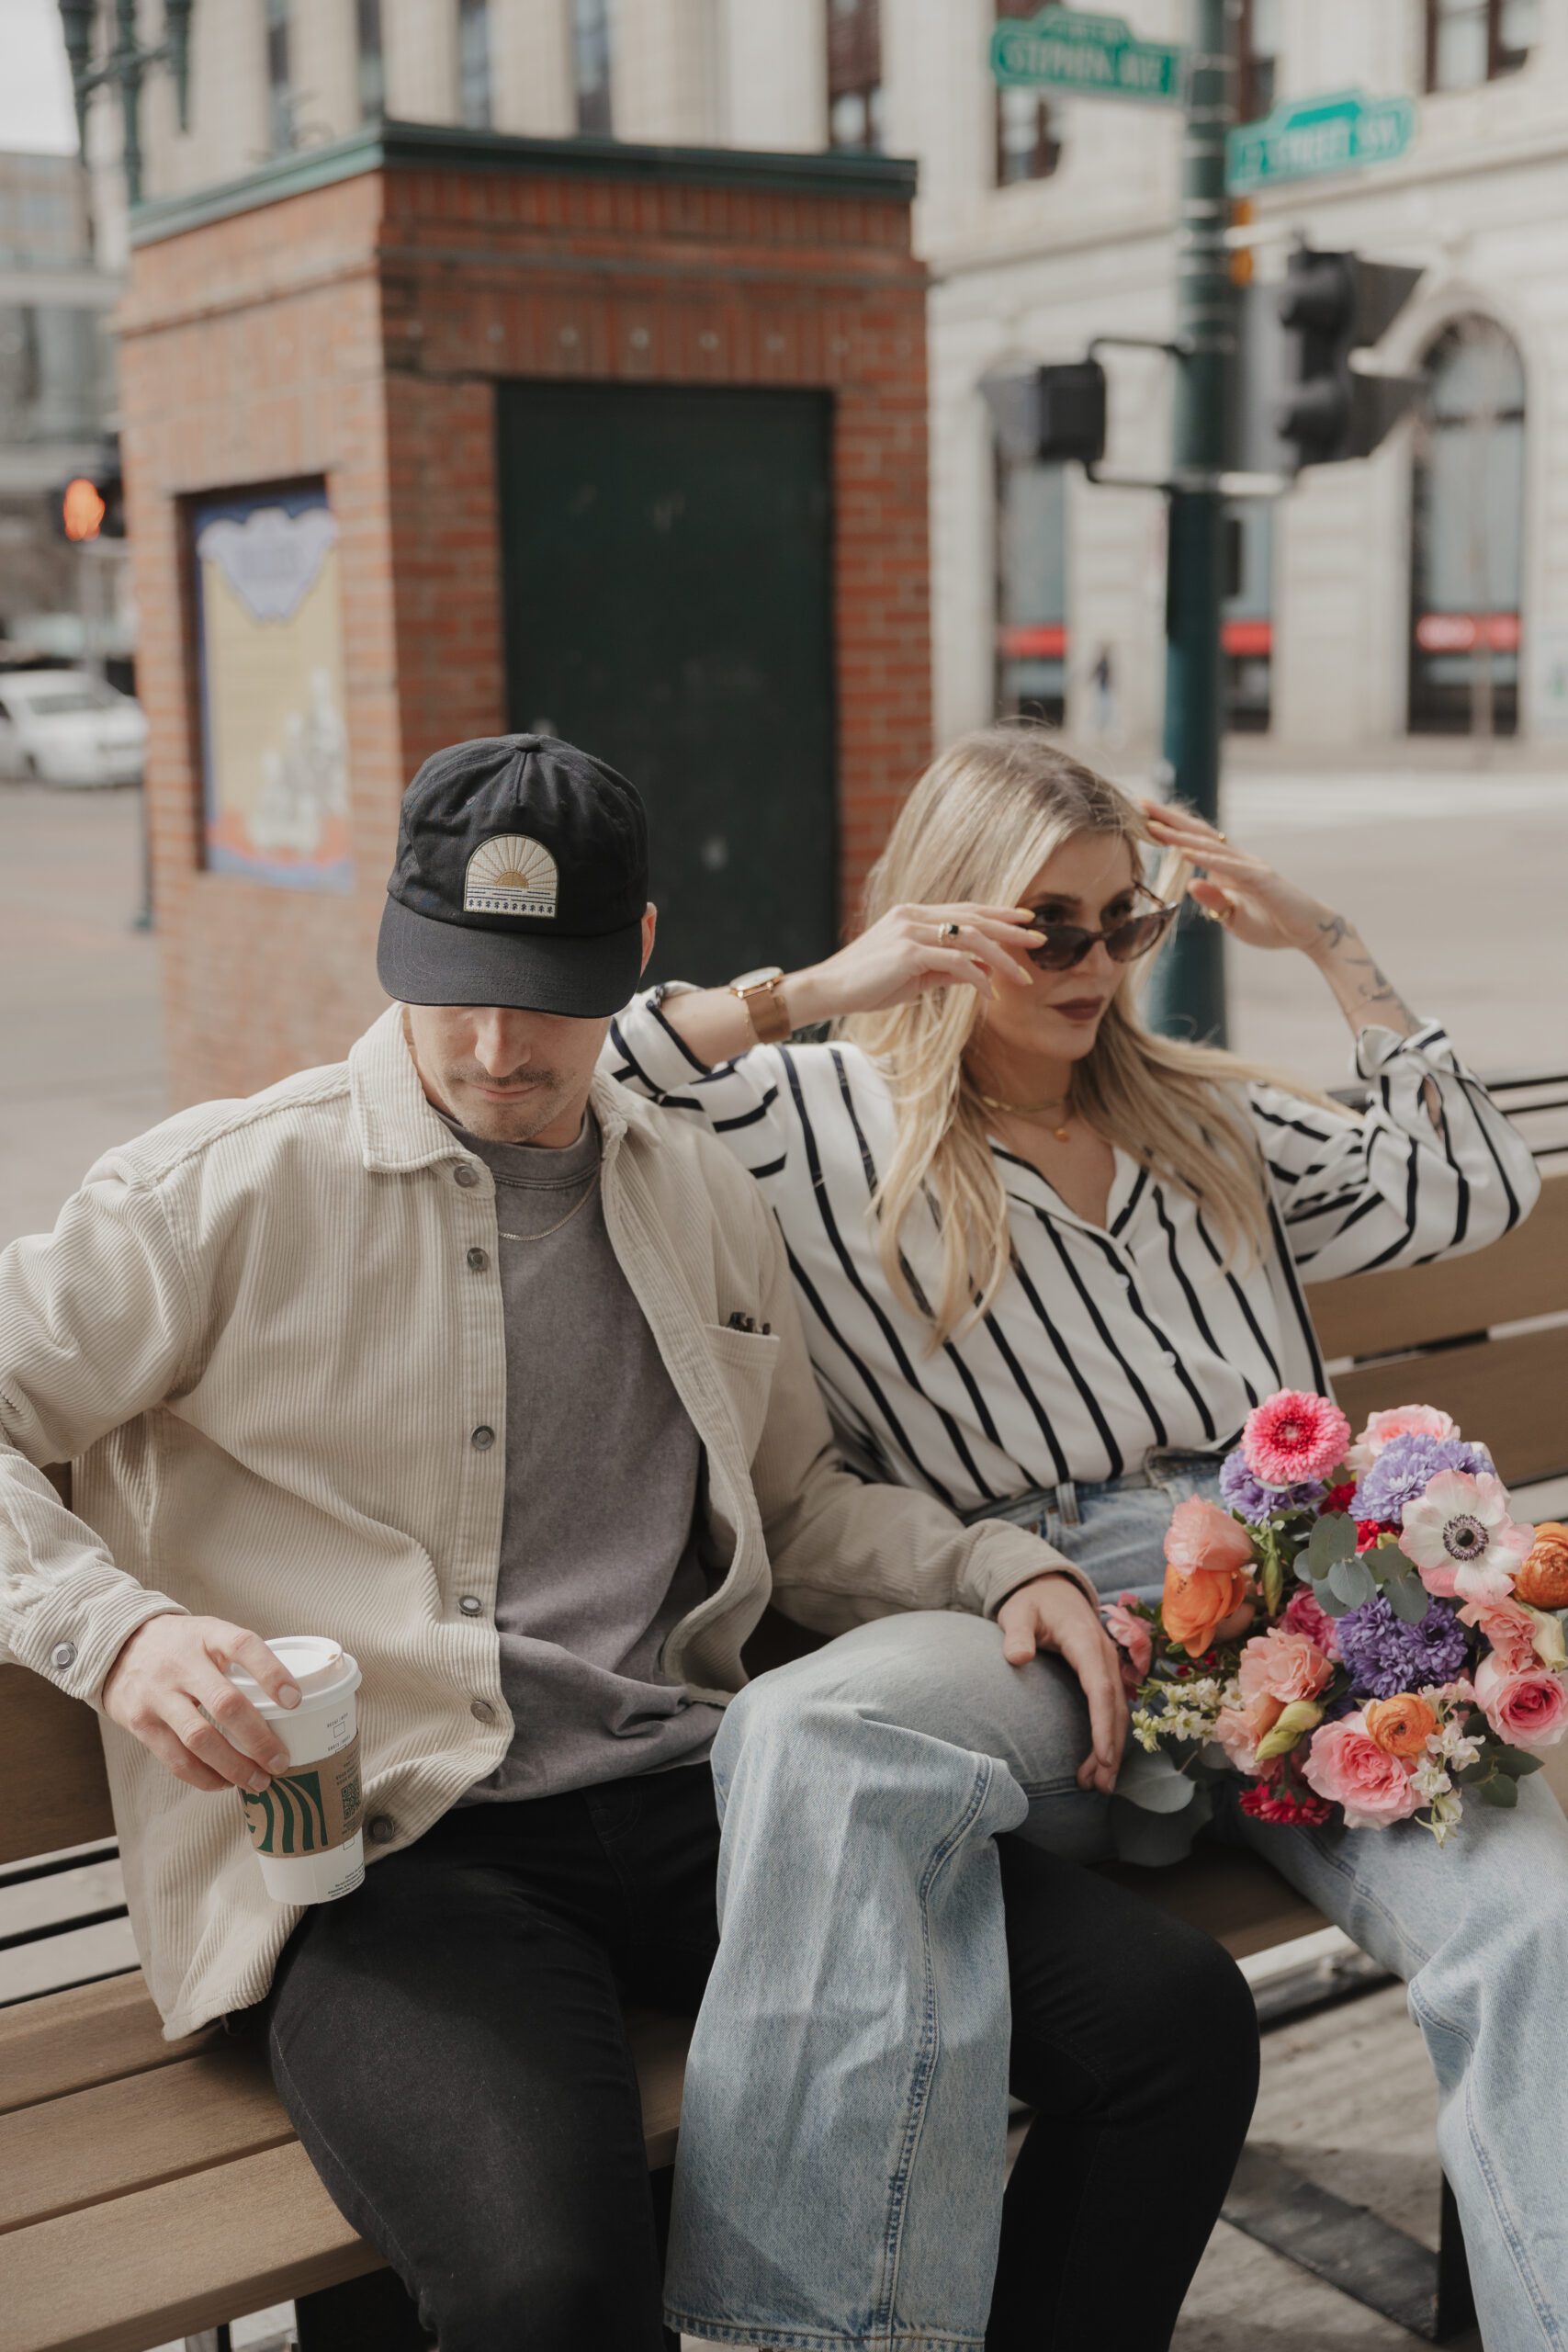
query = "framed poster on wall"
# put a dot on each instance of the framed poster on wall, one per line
(269, 653)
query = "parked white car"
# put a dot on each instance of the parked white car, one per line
(67, 727)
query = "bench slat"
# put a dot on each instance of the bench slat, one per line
(171, 2260)
(1523, 1275)
(51, 1768)
(96, 2033)
(1509, 1393)
(1232, 1896)
(104, 2143)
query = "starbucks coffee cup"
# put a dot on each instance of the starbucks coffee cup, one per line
(305, 1824)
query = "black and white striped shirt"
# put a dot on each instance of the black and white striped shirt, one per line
(1104, 1342)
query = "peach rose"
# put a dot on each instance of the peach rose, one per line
(1240, 1729)
(1400, 1421)
(1544, 1579)
(1400, 1727)
(1346, 1766)
(1207, 1556)
(1288, 1665)
(1528, 1710)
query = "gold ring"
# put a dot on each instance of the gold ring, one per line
(949, 930)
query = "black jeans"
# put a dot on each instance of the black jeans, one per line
(449, 2044)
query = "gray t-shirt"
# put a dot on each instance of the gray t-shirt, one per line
(598, 1546)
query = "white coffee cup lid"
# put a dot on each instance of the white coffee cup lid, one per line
(317, 1668)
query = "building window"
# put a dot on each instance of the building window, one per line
(372, 64)
(591, 64)
(1032, 594)
(1257, 59)
(854, 74)
(1470, 41)
(1027, 145)
(1467, 522)
(280, 93)
(473, 63)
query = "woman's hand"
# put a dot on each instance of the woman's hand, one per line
(1054, 1612)
(909, 951)
(1254, 904)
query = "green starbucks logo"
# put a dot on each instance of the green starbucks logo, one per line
(288, 1817)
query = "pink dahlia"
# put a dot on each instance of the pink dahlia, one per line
(1293, 1436)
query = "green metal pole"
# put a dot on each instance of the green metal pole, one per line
(1189, 994)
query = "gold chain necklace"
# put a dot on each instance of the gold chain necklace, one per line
(571, 1212)
(1032, 1110)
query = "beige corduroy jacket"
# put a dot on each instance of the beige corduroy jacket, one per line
(267, 1336)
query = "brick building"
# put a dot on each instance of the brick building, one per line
(456, 351)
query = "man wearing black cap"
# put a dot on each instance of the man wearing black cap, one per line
(463, 1357)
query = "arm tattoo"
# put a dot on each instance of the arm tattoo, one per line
(1335, 930)
(1380, 990)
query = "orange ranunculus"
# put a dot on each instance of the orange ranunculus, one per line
(1544, 1579)
(1399, 1727)
(1207, 1555)
(1196, 1604)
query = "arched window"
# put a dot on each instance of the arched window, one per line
(1467, 521)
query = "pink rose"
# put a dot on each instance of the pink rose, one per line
(1400, 1421)
(1287, 1666)
(1134, 1637)
(1305, 1615)
(1345, 1765)
(1528, 1710)
(1510, 1628)
(1239, 1729)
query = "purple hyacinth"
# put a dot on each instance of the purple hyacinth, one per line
(1383, 1655)
(1252, 1500)
(1405, 1468)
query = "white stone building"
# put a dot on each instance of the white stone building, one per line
(1425, 588)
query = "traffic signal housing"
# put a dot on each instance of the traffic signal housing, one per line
(1334, 306)
(90, 505)
(1050, 414)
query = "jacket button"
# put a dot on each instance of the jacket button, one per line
(465, 1174)
(477, 1260)
(481, 1710)
(63, 1654)
(482, 1438)
(383, 1829)
(470, 1604)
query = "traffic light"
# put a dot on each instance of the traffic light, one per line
(1333, 306)
(1052, 413)
(90, 505)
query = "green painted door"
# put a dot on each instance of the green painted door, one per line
(668, 580)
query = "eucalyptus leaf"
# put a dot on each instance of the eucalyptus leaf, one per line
(1155, 1840)
(1348, 1580)
(1499, 1792)
(1517, 1764)
(1408, 1599)
(1471, 1776)
(1328, 1600)
(1154, 1783)
(1333, 1538)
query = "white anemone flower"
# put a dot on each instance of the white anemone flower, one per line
(1460, 1536)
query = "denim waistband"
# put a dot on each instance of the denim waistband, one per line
(1028, 1509)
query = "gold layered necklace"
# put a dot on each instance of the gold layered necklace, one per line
(1035, 1111)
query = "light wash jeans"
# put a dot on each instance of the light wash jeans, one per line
(843, 2131)
(1478, 1930)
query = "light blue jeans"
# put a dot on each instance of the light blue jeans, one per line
(843, 2129)
(1479, 1929)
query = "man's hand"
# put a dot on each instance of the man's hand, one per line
(1052, 1613)
(173, 1668)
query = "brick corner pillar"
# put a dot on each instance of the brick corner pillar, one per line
(333, 328)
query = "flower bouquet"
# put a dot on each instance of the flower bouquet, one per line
(1365, 1634)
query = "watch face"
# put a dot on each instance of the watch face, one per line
(759, 978)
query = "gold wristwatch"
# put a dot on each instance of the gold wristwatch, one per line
(758, 992)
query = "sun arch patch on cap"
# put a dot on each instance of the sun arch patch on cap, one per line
(510, 875)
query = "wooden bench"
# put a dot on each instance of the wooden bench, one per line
(151, 2190)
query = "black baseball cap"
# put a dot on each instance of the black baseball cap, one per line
(520, 879)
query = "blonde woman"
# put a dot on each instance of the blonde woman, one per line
(1046, 1262)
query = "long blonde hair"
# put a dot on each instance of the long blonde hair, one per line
(979, 826)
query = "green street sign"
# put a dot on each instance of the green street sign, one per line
(1093, 57)
(1306, 137)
